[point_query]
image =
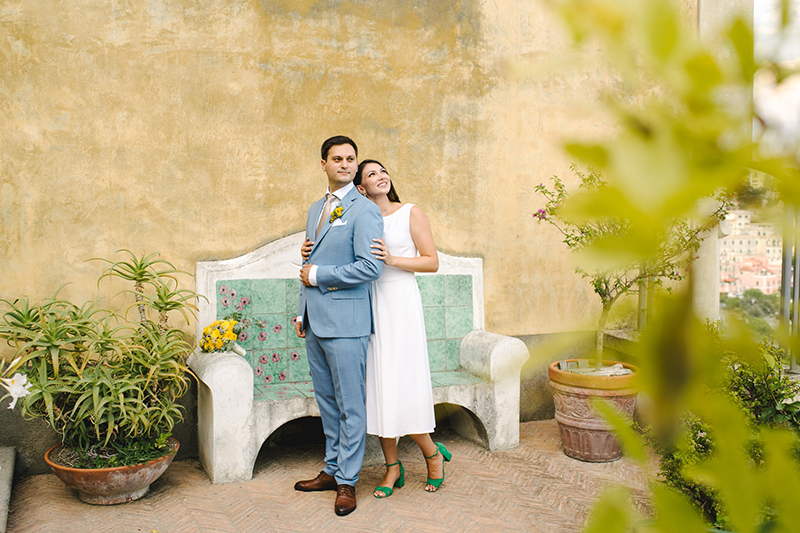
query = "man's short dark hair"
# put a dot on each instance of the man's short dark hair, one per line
(336, 141)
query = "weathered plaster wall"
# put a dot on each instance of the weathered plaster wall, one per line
(193, 129)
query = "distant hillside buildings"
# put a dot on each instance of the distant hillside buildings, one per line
(750, 257)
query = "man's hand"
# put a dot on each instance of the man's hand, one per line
(298, 328)
(304, 275)
(305, 249)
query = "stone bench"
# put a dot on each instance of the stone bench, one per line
(242, 400)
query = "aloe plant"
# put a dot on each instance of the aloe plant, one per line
(147, 269)
(96, 378)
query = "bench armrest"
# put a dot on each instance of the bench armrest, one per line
(493, 357)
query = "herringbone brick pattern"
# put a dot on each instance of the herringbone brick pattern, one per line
(532, 488)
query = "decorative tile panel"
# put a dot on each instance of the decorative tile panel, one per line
(457, 290)
(431, 290)
(278, 357)
(437, 355)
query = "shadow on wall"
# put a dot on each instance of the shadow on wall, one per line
(535, 396)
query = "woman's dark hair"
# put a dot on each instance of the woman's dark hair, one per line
(391, 195)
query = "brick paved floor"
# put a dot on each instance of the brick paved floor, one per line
(532, 488)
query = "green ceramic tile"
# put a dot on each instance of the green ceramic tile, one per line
(245, 339)
(435, 379)
(269, 296)
(431, 289)
(453, 351)
(437, 358)
(457, 290)
(284, 392)
(278, 392)
(458, 321)
(455, 378)
(292, 295)
(233, 296)
(298, 365)
(434, 323)
(269, 331)
(259, 395)
(292, 340)
(271, 367)
(259, 372)
(306, 387)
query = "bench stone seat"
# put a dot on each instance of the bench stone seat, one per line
(475, 374)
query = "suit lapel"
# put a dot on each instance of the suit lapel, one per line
(316, 207)
(345, 204)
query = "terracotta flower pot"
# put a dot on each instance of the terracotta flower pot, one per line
(109, 486)
(584, 434)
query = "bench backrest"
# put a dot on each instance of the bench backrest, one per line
(264, 286)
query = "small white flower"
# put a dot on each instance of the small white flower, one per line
(17, 386)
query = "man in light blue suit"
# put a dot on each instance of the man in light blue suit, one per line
(335, 317)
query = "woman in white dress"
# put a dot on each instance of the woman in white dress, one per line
(398, 386)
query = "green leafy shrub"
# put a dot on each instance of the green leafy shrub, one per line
(765, 394)
(98, 380)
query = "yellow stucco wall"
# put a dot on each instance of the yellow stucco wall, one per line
(193, 129)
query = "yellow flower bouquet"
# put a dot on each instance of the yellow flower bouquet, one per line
(221, 336)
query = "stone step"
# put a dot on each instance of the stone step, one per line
(6, 478)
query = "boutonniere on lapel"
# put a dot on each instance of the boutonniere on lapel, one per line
(337, 213)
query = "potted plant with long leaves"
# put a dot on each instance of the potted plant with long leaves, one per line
(108, 386)
(577, 382)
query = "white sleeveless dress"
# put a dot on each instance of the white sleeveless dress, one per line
(398, 385)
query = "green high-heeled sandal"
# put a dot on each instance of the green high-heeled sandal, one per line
(387, 491)
(447, 456)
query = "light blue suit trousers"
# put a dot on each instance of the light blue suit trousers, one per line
(337, 317)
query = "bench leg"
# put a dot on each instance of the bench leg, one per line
(226, 428)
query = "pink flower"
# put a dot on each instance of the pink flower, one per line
(282, 376)
(262, 336)
(276, 357)
(295, 356)
(264, 359)
(245, 300)
(259, 371)
(294, 320)
(233, 294)
(242, 336)
(277, 328)
(268, 378)
(226, 302)
(541, 214)
(223, 289)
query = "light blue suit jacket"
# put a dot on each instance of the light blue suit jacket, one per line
(340, 306)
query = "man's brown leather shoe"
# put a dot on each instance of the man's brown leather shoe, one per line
(345, 500)
(323, 481)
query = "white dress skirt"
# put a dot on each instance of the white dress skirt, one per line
(398, 386)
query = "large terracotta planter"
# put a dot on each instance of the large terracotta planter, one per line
(584, 434)
(109, 486)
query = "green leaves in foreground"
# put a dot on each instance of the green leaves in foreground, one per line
(682, 110)
(757, 492)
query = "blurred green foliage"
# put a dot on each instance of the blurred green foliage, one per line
(684, 116)
(766, 396)
(675, 249)
(754, 308)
